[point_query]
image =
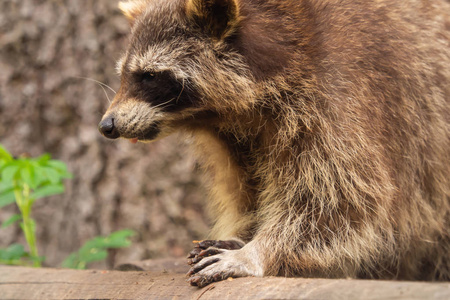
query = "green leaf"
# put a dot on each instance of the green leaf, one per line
(60, 167)
(13, 219)
(48, 190)
(9, 172)
(95, 249)
(40, 175)
(28, 175)
(119, 239)
(57, 165)
(5, 155)
(13, 252)
(94, 254)
(52, 175)
(71, 261)
(126, 233)
(94, 243)
(7, 197)
(43, 159)
(6, 186)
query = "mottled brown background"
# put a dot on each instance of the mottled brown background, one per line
(154, 189)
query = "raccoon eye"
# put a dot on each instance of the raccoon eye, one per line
(147, 76)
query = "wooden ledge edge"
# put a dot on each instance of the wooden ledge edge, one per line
(29, 283)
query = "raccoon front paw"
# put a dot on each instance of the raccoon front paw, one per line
(229, 263)
(207, 248)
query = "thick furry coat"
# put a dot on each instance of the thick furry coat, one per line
(323, 126)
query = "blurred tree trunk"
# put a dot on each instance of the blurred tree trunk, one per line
(46, 105)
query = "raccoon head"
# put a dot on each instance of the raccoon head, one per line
(179, 68)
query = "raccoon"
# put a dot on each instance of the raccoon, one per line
(323, 128)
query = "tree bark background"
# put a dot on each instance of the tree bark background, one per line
(45, 106)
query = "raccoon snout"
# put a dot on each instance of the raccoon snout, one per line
(107, 128)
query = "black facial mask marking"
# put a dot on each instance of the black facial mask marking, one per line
(162, 90)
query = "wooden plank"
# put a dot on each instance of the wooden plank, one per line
(28, 283)
(172, 265)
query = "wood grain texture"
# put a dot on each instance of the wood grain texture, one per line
(27, 283)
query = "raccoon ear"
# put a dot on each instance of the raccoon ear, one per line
(219, 18)
(132, 9)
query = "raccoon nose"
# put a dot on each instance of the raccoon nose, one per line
(107, 128)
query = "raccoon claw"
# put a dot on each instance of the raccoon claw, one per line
(237, 263)
(211, 247)
(199, 267)
(194, 280)
(201, 281)
(204, 253)
(210, 252)
(194, 252)
(228, 245)
(194, 260)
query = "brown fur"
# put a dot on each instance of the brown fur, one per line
(323, 125)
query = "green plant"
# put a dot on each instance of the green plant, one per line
(13, 255)
(96, 249)
(23, 181)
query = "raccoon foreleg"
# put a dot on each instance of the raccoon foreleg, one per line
(228, 263)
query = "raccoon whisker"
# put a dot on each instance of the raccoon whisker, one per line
(106, 94)
(164, 103)
(179, 95)
(99, 82)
